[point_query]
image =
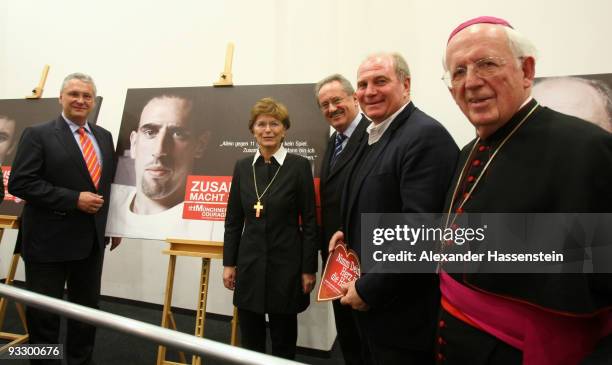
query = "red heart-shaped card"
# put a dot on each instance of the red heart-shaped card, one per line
(341, 268)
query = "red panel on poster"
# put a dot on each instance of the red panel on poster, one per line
(206, 197)
(6, 172)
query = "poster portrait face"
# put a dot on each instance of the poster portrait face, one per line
(177, 148)
(588, 97)
(164, 147)
(7, 137)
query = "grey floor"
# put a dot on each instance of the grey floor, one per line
(117, 348)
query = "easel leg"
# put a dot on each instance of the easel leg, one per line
(4, 301)
(234, 338)
(22, 316)
(161, 350)
(201, 310)
(173, 326)
(14, 338)
(9, 281)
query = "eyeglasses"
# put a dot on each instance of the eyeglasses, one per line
(485, 67)
(335, 102)
(273, 124)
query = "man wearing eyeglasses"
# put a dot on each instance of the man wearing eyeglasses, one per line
(525, 159)
(403, 166)
(63, 170)
(336, 99)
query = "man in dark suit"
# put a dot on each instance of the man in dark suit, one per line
(404, 166)
(338, 103)
(525, 159)
(63, 170)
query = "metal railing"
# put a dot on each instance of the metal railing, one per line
(156, 334)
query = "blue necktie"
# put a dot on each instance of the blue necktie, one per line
(337, 148)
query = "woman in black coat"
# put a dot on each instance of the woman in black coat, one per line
(269, 253)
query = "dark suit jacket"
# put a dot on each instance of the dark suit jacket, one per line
(49, 172)
(554, 163)
(333, 181)
(271, 252)
(407, 171)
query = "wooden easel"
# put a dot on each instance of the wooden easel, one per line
(8, 221)
(226, 79)
(206, 250)
(37, 92)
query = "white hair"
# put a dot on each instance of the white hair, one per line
(520, 45)
(81, 77)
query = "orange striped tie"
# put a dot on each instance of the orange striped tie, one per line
(91, 159)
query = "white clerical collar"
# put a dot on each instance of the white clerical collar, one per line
(526, 102)
(73, 126)
(351, 128)
(279, 155)
(376, 131)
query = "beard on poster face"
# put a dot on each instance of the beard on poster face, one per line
(160, 179)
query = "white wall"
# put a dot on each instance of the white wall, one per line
(140, 43)
(134, 44)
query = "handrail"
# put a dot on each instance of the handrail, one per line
(156, 334)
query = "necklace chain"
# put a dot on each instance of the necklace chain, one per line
(484, 169)
(267, 187)
(464, 169)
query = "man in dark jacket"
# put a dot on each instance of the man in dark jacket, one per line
(404, 166)
(525, 159)
(338, 103)
(63, 170)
